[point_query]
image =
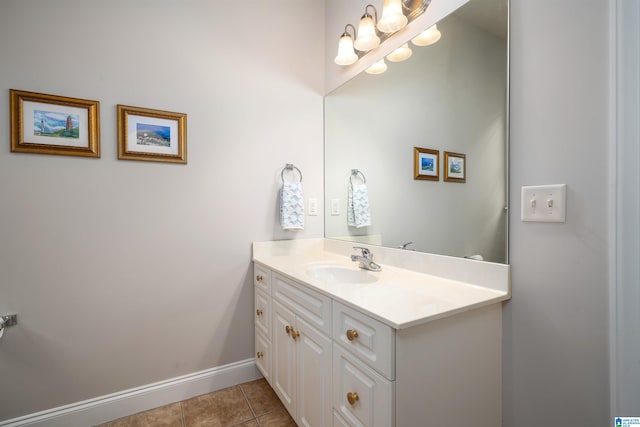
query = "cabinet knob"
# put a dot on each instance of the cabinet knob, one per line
(288, 329)
(352, 334)
(259, 278)
(294, 334)
(259, 355)
(352, 398)
(259, 312)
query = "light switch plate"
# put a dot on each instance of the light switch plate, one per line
(313, 206)
(335, 207)
(544, 203)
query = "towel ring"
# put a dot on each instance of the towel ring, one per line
(356, 172)
(290, 167)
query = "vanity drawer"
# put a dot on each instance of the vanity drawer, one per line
(361, 396)
(264, 355)
(262, 278)
(312, 306)
(262, 313)
(370, 340)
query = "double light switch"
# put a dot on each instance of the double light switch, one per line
(544, 203)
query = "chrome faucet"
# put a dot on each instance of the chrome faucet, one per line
(365, 260)
(404, 246)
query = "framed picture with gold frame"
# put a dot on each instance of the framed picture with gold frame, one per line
(426, 164)
(455, 167)
(52, 124)
(151, 135)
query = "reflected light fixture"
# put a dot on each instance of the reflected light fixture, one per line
(393, 19)
(400, 54)
(346, 54)
(378, 67)
(367, 38)
(427, 37)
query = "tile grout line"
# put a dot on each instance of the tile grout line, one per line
(184, 422)
(246, 399)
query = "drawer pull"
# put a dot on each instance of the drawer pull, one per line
(259, 312)
(259, 355)
(352, 334)
(294, 334)
(352, 398)
(288, 329)
(259, 278)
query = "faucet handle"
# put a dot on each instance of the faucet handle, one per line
(365, 252)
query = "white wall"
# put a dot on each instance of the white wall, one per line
(556, 325)
(450, 96)
(125, 273)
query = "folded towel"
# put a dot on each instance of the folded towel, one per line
(358, 214)
(291, 206)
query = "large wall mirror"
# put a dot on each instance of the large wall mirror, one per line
(451, 96)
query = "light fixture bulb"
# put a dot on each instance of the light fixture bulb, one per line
(392, 17)
(400, 54)
(427, 37)
(378, 67)
(367, 38)
(346, 54)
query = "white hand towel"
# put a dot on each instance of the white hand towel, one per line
(291, 206)
(358, 213)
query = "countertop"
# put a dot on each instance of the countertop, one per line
(398, 297)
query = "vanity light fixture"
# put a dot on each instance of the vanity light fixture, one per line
(393, 19)
(428, 37)
(367, 38)
(400, 54)
(395, 16)
(346, 54)
(378, 67)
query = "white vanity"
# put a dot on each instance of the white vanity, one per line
(416, 344)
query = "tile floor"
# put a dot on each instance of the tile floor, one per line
(252, 404)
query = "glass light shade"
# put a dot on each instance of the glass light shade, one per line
(427, 37)
(377, 68)
(367, 37)
(346, 54)
(392, 17)
(400, 54)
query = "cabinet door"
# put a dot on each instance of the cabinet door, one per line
(284, 357)
(314, 406)
(363, 397)
(263, 356)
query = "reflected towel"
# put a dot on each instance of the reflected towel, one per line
(358, 214)
(291, 206)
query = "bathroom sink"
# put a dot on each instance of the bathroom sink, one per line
(340, 274)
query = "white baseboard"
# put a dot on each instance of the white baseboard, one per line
(106, 408)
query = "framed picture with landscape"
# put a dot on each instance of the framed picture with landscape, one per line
(426, 164)
(151, 135)
(52, 124)
(455, 167)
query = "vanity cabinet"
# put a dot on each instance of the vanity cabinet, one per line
(333, 365)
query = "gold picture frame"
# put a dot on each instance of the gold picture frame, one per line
(151, 135)
(53, 124)
(426, 164)
(455, 167)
